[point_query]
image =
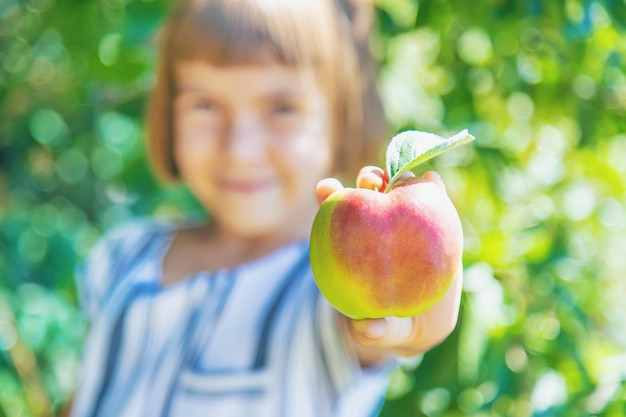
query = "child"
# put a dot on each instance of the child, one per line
(255, 102)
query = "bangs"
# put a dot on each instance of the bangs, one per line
(241, 32)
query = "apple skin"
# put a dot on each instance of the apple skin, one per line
(377, 254)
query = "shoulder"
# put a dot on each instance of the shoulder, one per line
(123, 243)
(132, 230)
(112, 256)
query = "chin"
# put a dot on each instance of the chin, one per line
(252, 229)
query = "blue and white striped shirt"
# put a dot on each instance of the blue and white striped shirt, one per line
(255, 340)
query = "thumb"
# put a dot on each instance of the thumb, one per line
(384, 332)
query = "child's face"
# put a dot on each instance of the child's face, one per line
(251, 142)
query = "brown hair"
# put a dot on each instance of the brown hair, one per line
(331, 36)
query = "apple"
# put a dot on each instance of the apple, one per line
(393, 252)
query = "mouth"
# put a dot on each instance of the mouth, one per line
(246, 186)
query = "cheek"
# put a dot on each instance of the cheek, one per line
(311, 163)
(192, 145)
(311, 158)
(312, 150)
(310, 147)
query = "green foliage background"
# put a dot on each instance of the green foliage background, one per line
(542, 86)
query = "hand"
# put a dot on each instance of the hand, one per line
(376, 339)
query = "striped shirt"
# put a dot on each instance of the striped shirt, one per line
(255, 340)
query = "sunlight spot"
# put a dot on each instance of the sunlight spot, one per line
(475, 47)
(520, 106)
(516, 358)
(550, 390)
(579, 202)
(8, 335)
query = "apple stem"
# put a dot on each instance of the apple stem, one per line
(390, 184)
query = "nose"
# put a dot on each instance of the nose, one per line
(244, 138)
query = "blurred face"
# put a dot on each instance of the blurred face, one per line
(251, 142)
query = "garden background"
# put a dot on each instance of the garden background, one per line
(540, 84)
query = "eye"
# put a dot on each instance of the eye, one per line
(203, 104)
(192, 103)
(283, 109)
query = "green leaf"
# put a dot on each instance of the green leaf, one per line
(411, 148)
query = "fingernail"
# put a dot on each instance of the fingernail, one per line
(377, 328)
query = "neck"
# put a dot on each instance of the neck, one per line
(242, 248)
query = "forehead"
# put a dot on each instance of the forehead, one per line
(231, 32)
(269, 78)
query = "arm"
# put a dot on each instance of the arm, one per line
(375, 340)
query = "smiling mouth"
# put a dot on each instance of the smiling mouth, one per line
(246, 186)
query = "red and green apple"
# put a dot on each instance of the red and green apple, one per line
(393, 252)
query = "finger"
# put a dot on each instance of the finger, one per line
(435, 178)
(371, 177)
(436, 324)
(443, 316)
(368, 330)
(384, 332)
(326, 187)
